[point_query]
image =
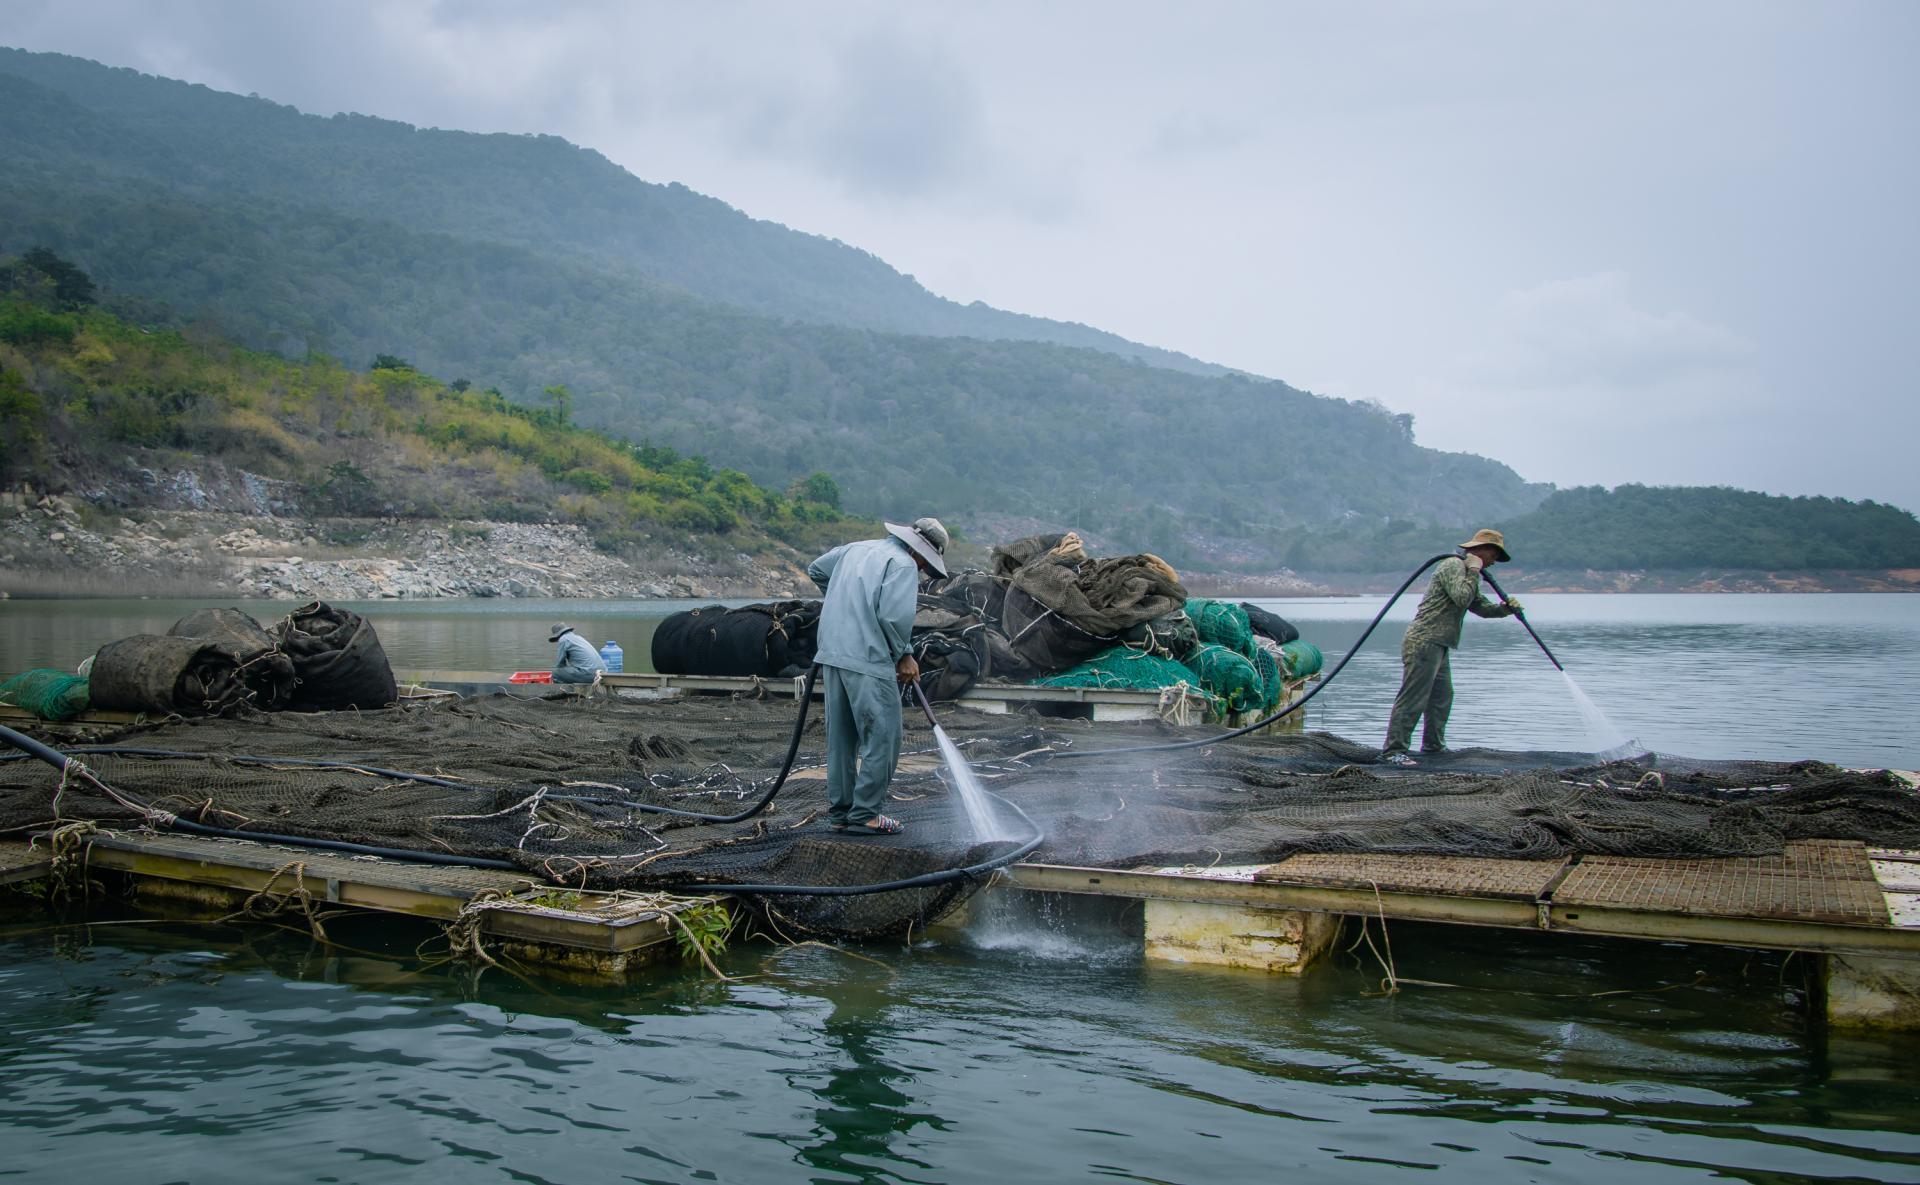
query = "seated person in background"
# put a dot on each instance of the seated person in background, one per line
(577, 661)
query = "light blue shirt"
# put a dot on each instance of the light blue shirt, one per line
(872, 589)
(576, 660)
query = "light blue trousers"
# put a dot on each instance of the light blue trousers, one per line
(863, 743)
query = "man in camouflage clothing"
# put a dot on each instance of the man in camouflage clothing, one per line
(1426, 682)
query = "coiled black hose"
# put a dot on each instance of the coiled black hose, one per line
(1290, 708)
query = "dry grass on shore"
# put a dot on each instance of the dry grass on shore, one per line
(63, 583)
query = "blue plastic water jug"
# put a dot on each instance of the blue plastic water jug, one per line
(614, 657)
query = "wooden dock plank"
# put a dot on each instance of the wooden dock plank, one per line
(600, 922)
(20, 861)
(1819, 881)
(1523, 880)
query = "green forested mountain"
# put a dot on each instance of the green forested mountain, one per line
(1646, 527)
(527, 262)
(1637, 526)
(539, 192)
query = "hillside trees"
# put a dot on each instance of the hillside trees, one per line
(392, 441)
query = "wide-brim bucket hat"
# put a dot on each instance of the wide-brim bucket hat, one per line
(559, 627)
(1490, 538)
(923, 542)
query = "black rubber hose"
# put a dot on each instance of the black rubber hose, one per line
(1286, 711)
(1502, 594)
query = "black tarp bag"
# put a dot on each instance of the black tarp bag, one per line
(1270, 625)
(266, 670)
(177, 676)
(337, 658)
(772, 640)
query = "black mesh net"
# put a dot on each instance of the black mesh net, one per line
(554, 786)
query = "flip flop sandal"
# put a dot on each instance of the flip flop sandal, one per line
(878, 825)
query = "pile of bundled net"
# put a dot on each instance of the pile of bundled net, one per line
(48, 694)
(557, 787)
(1209, 646)
(1126, 669)
(950, 644)
(772, 640)
(337, 659)
(216, 661)
(1058, 613)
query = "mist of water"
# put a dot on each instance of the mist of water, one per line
(980, 813)
(1604, 737)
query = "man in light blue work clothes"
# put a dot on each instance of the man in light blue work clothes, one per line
(866, 647)
(576, 661)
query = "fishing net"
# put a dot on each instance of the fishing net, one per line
(168, 675)
(1273, 684)
(48, 694)
(1123, 668)
(1221, 624)
(337, 658)
(553, 786)
(1229, 677)
(1056, 615)
(1301, 658)
(267, 671)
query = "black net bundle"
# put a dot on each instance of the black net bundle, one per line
(557, 787)
(337, 658)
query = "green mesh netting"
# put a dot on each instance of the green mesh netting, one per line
(1273, 684)
(1303, 659)
(1227, 675)
(47, 693)
(1222, 624)
(1125, 668)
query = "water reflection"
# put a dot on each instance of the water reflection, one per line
(175, 1045)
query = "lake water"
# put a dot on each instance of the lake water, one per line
(1834, 676)
(1027, 1048)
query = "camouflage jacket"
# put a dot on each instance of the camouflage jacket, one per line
(1454, 592)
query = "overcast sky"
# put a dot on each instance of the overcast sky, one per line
(1657, 242)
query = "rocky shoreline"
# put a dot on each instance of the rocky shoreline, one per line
(60, 546)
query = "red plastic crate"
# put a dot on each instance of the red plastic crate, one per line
(530, 677)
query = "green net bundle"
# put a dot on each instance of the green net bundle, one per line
(1126, 669)
(1303, 658)
(1221, 624)
(1273, 683)
(48, 694)
(1229, 676)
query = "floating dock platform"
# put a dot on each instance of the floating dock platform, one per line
(597, 934)
(1854, 908)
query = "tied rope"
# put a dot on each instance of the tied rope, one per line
(266, 905)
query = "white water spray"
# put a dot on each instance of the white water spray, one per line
(1603, 736)
(980, 813)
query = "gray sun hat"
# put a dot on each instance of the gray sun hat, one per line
(927, 538)
(559, 627)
